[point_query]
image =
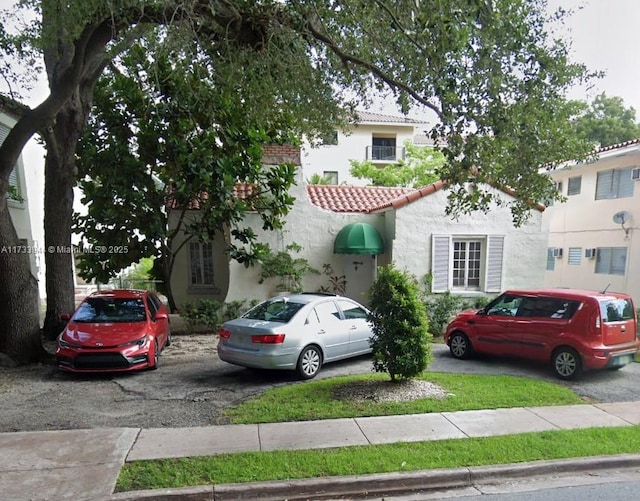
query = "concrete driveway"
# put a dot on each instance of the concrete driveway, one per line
(193, 388)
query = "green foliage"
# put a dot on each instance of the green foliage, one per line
(606, 121)
(441, 308)
(150, 139)
(337, 284)
(319, 179)
(14, 194)
(288, 269)
(205, 312)
(418, 168)
(400, 338)
(211, 313)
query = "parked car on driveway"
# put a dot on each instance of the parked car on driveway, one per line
(115, 330)
(574, 330)
(297, 332)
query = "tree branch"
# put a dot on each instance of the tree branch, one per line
(372, 68)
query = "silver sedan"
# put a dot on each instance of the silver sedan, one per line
(296, 332)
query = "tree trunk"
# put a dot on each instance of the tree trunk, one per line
(58, 214)
(19, 319)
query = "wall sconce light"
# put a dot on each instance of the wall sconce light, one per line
(356, 264)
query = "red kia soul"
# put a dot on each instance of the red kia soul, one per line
(574, 330)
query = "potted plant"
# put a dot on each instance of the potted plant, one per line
(288, 269)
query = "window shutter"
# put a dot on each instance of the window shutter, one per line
(440, 249)
(625, 183)
(574, 185)
(495, 252)
(604, 185)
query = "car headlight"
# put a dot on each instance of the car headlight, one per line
(66, 344)
(140, 342)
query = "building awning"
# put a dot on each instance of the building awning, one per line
(358, 238)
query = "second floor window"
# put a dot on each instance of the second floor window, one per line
(383, 148)
(614, 183)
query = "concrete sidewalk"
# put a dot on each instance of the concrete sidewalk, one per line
(84, 464)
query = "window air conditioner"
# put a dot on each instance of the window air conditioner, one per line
(589, 253)
(635, 174)
(557, 252)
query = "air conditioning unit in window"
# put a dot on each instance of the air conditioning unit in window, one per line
(589, 253)
(557, 252)
(635, 174)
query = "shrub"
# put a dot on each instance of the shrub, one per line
(401, 337)
(440, 309)
(211, 313)
(289, 270)
(204, 312)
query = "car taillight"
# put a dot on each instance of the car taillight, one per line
(268, 339)
(224, 334)
(597, 321)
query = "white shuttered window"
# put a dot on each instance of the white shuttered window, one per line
(467, 262)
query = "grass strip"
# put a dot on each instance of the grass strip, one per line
(314, 400)
(360, 460)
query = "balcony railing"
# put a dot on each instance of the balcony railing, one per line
(384, 153)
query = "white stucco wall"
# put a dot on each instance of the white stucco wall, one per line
(312, 228)
(352, 145)
(524, 255)
(316, 229)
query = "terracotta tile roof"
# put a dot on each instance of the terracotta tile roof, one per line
(368, 199)
(619, 145)
(365, 199)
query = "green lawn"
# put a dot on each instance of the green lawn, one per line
(314, 400)
(358, 460)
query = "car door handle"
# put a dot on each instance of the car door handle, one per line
(352, 328)
(321, 331)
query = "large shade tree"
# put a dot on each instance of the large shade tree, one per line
(488, 69)
(606, 121)
(167, 135)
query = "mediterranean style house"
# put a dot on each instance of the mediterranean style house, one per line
(376, 137)
(592, 236)
(355, 229)
(18, 202)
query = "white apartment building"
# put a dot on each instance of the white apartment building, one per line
(594, 237)
(376, 137)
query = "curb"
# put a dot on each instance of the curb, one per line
(381, 484)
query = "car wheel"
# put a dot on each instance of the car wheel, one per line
(567, 363)
(156, 356)
(168, 343)
(309, 362)
(460, 346)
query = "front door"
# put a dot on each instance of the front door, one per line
(359, 271)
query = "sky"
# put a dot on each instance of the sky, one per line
(605, 38)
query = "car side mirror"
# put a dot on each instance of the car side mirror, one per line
(160, 316)
(481, 311)
(65, 317)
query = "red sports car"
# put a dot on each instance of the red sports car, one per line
(115, 330)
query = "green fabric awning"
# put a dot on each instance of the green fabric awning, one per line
(358, 238)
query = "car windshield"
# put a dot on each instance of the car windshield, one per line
(108, 310)
(616, 310)
(276, 310)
